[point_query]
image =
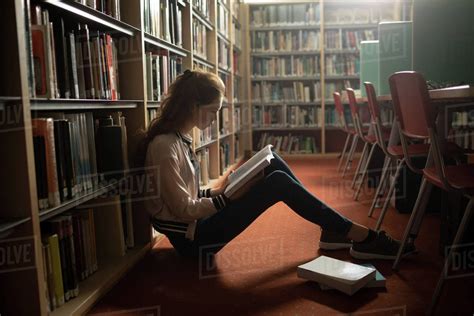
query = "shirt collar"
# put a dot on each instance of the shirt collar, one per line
(185, 137)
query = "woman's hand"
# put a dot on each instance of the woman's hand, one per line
(222, 185)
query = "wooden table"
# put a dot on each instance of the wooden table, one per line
(446, 95)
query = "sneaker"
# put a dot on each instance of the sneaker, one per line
(333, 241)
(382, 247)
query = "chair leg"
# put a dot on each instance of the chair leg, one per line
(351, 154)
(361, 161)
(364, 172)
(417, 213)
(379, 192)
(389, 194)
(459, 234)
(343, 153)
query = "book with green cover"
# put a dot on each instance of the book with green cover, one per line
(369, 65)
(395, 51)
(53, 242)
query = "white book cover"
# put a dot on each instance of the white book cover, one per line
(249, 169)
(341, 275)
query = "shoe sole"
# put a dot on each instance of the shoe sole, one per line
(366, 255)
(333, 246)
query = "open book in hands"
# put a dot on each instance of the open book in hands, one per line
(248, 170)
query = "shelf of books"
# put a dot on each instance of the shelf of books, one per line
(301, 52)
(83, 77)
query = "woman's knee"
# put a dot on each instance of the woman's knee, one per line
(279, 180)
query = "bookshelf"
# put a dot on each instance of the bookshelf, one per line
(301, 52)
(141, 48)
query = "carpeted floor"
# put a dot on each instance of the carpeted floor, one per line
(256, 273)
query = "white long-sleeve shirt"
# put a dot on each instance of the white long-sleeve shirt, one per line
(176, 201)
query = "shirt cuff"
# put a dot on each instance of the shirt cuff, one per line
(220, 201)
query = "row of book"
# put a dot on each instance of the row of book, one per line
(70, 61)
(203, 7)
(76, 154)
(237, 118)
(236, 35)
(207, 135)
(222, 19)
(236, 88)
(339, 85)
(462, 129)
(286, 66)
(152, 114)
(285, 41)
(289, 144)
(224, 155)
(358, 15)
(161, 70)
(223, 54)
(342, 65)
(203, 158)
(286, 116)
(76, 242)
(163, 19)
(286, 92)
(109, 7)
(225, 120)
(199, 39)
(463, 136)
(337, 39)
(285, 14)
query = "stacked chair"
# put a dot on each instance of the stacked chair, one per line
(416, 119)
(370, 143)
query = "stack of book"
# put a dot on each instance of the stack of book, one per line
(344, 276)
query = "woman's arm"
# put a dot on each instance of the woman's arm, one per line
(173, 189)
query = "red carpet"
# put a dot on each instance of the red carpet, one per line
(256, 272)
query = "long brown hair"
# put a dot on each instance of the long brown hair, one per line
(190, 89)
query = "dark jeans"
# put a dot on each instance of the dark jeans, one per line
(278, 184)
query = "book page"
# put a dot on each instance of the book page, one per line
(249, 169)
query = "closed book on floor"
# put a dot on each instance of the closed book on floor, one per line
(341, 275)
(379, 280)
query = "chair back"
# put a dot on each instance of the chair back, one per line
(340, 111)
(415, 116)
(411, 101)
(376, 121)
(355, 112)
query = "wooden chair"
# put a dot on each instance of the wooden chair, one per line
(370, 143)
(417, 120)
(350, 131)
(393, 153)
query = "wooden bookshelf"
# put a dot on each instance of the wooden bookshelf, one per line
(20, 217)
(336, 23)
